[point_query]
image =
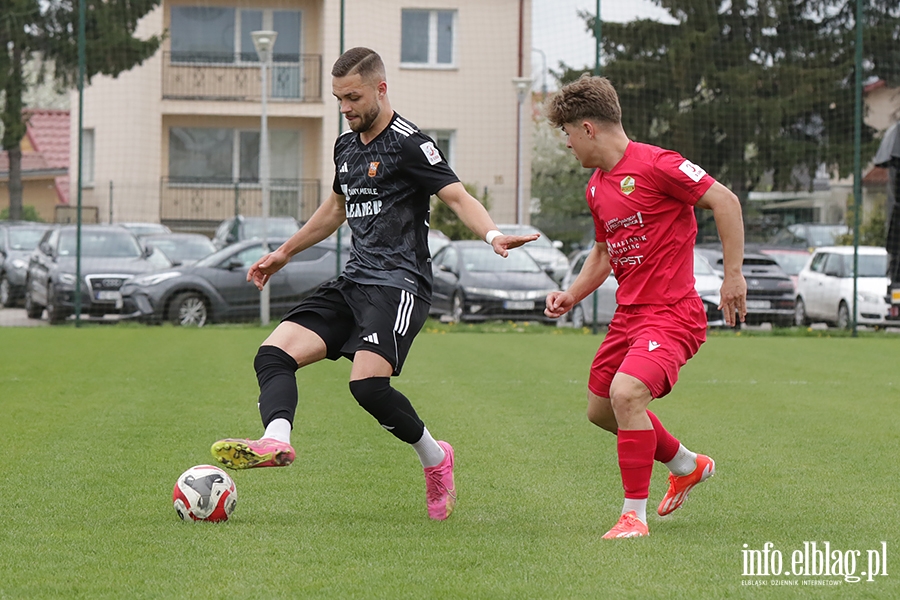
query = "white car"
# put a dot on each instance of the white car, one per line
(825, 287)
(706, 281)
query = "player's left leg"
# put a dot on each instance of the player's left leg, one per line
(636, 446)
(388, 320)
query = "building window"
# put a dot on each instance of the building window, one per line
(218, 155)
(222, 35)
(444, 140)
(427, 38)
(87, 158)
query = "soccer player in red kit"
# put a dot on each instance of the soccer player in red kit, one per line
(642, 199)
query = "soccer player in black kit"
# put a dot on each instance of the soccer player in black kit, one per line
(386, 170)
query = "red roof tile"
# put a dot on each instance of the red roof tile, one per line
(48, 132)
(876, 176)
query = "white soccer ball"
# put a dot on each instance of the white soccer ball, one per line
(204, 493)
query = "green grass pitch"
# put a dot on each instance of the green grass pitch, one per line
(98, 422)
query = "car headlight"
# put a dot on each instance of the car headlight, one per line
(489, 292)
(67, 279)
(19, 264)
(868, 297)
(155, 278)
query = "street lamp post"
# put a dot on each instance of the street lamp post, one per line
(264, 41)
(523, 85)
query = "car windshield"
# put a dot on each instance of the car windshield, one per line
(825, 235)
(280, 228)
(184, 248)
(24, 239)
(791, 262)
(109, 243)
(485, 260)
(146, 228)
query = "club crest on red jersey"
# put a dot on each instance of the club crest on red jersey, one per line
(627, 185)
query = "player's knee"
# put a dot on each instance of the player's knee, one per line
(372, 393)
(273, 360)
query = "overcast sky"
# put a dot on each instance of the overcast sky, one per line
(561, 35)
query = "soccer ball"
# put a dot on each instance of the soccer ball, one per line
(204, 493)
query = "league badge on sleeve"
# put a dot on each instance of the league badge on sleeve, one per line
(431, 153)
(692, 170)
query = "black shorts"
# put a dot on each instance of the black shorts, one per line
(349, 317)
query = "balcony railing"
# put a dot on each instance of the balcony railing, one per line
(200, 204)
(236, 77)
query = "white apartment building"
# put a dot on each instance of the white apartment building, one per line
(177, 138)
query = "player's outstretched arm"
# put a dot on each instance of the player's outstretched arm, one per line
(476, 218)
(727, 213)
(593, 273)
(325, 221)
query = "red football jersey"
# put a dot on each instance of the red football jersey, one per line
(643, 211)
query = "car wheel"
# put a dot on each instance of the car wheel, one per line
(54, 313)
(32, 309)
(843, 316)
(6, 299)
(457, 308)
(801, 319)
(189, 309)
(577, 317)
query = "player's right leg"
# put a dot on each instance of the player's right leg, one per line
(288, 348)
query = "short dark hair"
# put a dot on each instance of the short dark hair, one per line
(363, 61)
(587, 97)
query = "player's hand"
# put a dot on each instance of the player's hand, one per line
(733, 299)
(558, 304)
(503, 243)
(265, 267)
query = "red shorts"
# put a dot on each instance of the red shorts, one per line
(650, 342)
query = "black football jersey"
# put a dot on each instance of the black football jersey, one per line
(387, 185)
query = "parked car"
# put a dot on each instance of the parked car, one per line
(789, 259)
(17, 241)
(142, 229)
(436, 241)
(770, 290)
(240, 228)
(808, 235)
(110, 255)
(473, 283)
(548, 253)
(825, 287)
(215, 288)
(706, 282)
(181, 248)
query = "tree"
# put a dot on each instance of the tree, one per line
(446, 221)
(49, 28)
(558, 183)
(749, 88)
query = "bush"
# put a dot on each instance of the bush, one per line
(29, 213)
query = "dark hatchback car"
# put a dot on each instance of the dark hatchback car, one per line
(110, 255)
(472, 283)
(770, 290)
(215, 288)
(18, 239)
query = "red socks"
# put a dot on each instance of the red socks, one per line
(666, 444)
(636, 450)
